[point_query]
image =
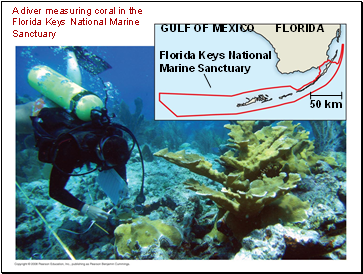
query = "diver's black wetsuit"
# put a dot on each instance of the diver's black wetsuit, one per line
(73, 150)
(68, 158)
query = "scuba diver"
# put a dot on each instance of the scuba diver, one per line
(77, 131)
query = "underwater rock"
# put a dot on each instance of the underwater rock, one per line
(306, 245)
(27, 233)
(278, 242)
(100, 251)
(327, 214)
(263, 244)
(107, 251)
(163, 191)
(146, 239)
(200, 225)
(323, 218)
(323, 167)
(200, 249)
(205, 249)
(71, 240)
(166, 201)
(323, 189)
(21, 206)
(331, 225)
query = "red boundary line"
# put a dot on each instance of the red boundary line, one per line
(233, 95)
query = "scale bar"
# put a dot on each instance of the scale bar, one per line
(341, 95)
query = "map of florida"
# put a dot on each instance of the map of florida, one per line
(299, 47)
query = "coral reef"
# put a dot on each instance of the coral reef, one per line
(167, 200)
(267, 201)
(142, 237)
(250, 203)
(132, 121)
(147, 154)
(198, 218)
(270, 150)
(260, 171)
(193, 162)
(329, 136)
(174, 133)
(206, 139)
(28, 167)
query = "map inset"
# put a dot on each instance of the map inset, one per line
(250, 72)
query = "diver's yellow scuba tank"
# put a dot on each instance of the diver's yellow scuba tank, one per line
(64, 92)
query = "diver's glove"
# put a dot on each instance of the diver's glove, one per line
(94, 213)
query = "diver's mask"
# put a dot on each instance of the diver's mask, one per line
(112, 151)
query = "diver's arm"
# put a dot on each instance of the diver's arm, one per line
(65, 161)
(67, 158)
(58, 181)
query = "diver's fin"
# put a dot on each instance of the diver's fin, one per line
(89, 61)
